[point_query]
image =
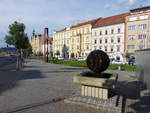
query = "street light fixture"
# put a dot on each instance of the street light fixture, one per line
(46, 44)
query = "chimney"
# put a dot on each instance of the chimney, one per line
(46, 32)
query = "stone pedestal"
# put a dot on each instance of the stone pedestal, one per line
(96, 86)
(97, 92)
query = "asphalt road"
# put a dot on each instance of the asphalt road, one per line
(7, 60)
(41, 88)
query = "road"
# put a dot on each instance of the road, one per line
(7, 60)
(41, 88)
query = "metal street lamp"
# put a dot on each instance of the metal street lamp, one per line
(46, 44)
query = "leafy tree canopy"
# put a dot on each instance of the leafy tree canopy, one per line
(17, 36)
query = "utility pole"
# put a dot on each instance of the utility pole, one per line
(46, 44)
(80, 44)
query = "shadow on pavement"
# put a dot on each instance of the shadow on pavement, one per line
(133, 92)
(129, 89)
(142, 106)
(9, 80)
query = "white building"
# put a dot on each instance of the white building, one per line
(49, 47)
(108, 34)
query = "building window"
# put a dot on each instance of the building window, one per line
(118, 40)
(112, 40)
(130, 47)
(132, 19)
(131, 37)
(95, 47)
(106, 49)
(142, 36)
(100, 41)
(132, 27)
(112, 31)
(105, 40)
(106, 32)
(95, 41)
(112, 49)
(143, 17)
(119, 30)
(142, 26)
(100, 33)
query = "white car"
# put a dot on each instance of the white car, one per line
(118, 62)
(60, 58)
(81, 58)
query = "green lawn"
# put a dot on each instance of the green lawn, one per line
(83, 64)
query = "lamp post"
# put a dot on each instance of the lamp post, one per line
(80, 44)
(46, 44)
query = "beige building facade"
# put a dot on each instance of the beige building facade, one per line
(138, 29)
(74, 41)
(61, 43)
(36, 43)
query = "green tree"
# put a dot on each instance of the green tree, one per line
(17, 36)
(29, 49)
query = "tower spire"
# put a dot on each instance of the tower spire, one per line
(33, 33)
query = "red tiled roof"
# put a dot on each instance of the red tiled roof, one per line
(117, 19)
(85, 23)
(50, 40)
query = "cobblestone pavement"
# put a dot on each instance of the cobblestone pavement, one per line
(41, 88)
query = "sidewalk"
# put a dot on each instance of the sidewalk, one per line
(41, 88)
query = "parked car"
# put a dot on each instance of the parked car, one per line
(81, 58)
(131, 62)
(73, 59)
(60, 58)
(118, 62)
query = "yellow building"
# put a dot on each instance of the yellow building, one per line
(61, 43)
(36, 43)
(74, 41)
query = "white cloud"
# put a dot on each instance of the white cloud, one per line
(131, 2)
(111, 6)
(128, 2)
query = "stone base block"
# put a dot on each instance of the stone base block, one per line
(97, 92)
(111, 105)
(88, 79)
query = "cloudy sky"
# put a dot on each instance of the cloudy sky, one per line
(56, 14)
